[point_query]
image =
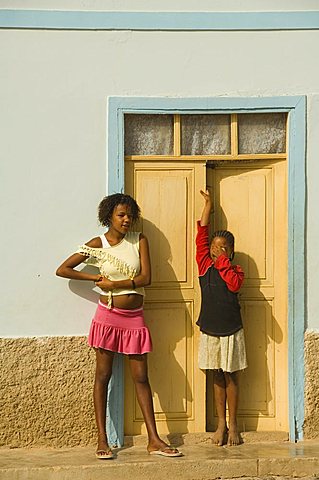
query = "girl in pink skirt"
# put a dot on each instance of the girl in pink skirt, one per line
(122, 257)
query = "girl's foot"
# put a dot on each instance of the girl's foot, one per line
(103, 450)
(219, 437)
(161, 448)
(233, 436)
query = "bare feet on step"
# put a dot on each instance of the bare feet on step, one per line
(219, 437)
(233, 436)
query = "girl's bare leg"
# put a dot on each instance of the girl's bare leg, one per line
(232, 401)
(138, 365)
(220, 402)
(103, 372)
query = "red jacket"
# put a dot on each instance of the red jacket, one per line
(220, 281)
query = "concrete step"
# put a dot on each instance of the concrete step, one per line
(201, 461)
(179, 439)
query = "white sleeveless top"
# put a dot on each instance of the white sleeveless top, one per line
(118, 262)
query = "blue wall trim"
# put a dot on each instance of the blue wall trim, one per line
(115, 404)
(296, 265)
(115, 183)
(92, 20)
(296, 106)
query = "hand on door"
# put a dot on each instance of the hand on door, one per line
(206, 196)
(207, 208)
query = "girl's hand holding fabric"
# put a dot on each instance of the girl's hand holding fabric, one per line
(105, 284)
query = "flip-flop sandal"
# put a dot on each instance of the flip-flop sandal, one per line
(104, 455)
(163, 452)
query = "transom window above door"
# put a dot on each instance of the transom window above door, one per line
(214, 136)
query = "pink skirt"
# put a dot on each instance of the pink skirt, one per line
(119, 330)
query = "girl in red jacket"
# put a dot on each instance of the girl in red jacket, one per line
(222, 343)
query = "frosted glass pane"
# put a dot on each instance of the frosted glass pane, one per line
(149, 134)
(205, 134)
(262, 133)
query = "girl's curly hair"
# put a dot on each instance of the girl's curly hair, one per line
(109, 203)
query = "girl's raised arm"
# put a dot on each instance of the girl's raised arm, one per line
(206, 209)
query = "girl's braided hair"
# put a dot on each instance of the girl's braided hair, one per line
(229, 238)
(109, 203)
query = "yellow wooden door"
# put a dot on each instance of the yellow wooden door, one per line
(251, 202)
(167, 193)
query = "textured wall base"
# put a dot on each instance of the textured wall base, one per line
(46, 389)
(311, 424)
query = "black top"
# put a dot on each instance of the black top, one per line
(220, 310)
(219, 281)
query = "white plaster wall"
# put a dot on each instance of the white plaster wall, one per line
(164, 5)
(53, 95)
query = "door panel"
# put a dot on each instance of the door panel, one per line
(173, 361)
(251, 202)
(257, 381)
(246, 205)
(167, 193)
(167, 197)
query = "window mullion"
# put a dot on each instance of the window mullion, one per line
(177, 135)
(234, 135)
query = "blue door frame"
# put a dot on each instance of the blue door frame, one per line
(296, 107)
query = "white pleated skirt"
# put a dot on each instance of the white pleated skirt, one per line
(222, 353)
